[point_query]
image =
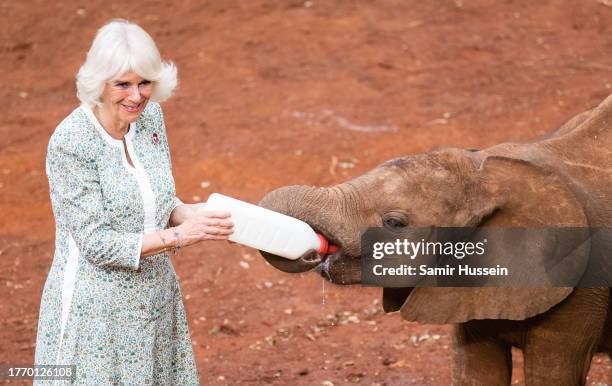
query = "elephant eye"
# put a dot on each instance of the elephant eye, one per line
(393, 223)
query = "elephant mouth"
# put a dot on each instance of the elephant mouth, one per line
(338, 267)
(324, 268)
(333, 241)
(310, 260)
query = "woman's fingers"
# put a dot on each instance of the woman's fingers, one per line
(215, 213)
(214, 237)
(215, 222)
(223, 222)
(218, 231)
(209, 225)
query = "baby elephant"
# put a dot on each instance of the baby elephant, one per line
(564, 180)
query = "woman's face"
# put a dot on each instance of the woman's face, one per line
(125, 97)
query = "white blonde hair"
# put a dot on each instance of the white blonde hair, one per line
(118, 48)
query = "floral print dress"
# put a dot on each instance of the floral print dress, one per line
(118, 318)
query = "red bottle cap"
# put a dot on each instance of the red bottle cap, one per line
(326, 247)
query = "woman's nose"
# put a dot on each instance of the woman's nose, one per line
(135, 94)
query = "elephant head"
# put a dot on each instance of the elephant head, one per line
(445, 188)
(435, 189)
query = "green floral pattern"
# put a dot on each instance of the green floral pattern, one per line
(126, 322)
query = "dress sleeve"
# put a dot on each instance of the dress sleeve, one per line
(75, 188)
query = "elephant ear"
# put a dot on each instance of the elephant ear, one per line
(459, 305)
(526, 203)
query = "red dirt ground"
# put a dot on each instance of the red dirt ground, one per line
(282, 92)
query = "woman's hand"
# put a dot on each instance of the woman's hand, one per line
(183, 212)
(191, 223)
(203, 225)
(200, 225)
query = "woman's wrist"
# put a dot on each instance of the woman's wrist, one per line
(178, 242)
(170, 238)
(163, 240)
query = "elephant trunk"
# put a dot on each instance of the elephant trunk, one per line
(311, 205)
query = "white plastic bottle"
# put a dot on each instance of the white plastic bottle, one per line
(267, 230)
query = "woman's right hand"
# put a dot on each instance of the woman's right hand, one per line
(205, 225)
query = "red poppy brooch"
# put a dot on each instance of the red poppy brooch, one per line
(155, 138)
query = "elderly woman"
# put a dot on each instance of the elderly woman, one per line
(112, 304)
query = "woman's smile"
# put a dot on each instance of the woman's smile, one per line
(132, 108)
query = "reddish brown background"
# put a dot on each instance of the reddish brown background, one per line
(271, 93)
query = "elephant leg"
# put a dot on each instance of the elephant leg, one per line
(559, 348)
(480, 358)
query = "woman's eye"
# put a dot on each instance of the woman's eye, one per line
(393, 223)
(145, 83)
(122, 85)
